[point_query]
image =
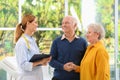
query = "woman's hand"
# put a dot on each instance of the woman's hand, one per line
(70, 66)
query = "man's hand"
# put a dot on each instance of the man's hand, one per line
(68, 66)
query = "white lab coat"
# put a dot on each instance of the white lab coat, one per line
(36, 74)
(23, 56)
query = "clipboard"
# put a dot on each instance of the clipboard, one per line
(37, 57)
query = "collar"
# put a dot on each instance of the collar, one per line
(96, 44)
(63, 36)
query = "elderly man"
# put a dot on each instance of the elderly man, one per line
(66, 49)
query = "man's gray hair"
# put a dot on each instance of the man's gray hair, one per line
(74, 20)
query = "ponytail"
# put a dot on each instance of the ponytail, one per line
(18, 32)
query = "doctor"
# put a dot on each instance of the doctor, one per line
(26, 47)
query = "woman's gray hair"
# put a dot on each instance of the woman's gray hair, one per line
(98, 29)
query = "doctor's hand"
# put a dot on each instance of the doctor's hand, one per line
(42, 62)
(45, 61)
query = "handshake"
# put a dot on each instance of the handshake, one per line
(70, 66)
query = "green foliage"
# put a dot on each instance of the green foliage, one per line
(105, 15)
(49, 14)
(77, 6)
(119, 24)
(8, 13)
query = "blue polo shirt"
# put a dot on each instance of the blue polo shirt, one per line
(63, 51)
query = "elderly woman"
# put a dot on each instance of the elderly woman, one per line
(95, 63)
